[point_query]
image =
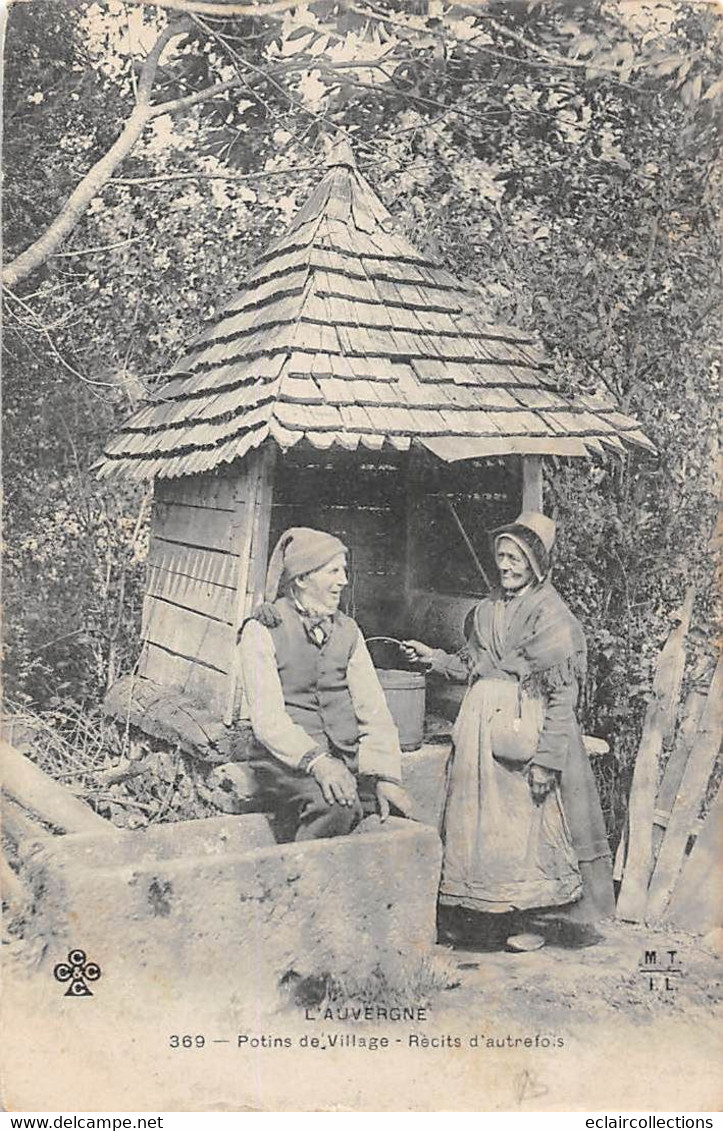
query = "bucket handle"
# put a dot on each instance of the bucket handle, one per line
(392, 640)
(389, 640)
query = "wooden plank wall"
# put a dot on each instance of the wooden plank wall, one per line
(254, 521)
(532, 483)
(189, 610)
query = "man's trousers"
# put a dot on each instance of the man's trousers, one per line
(296, 799)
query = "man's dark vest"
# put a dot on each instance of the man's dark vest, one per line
(314, 679)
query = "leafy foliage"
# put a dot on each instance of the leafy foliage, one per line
(564, 156)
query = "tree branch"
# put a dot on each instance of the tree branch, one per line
(99, 248)
(176, 104)
(99, 175)
(550, 57)
(547, 58)
(145, 111)
(43, 329)
(544, 57)
(78, 201)
(202, 175)
(207, 8)
(150, 63)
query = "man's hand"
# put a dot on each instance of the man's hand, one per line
(542, 781)
(390, 795)
(416, 652)
(337, 783)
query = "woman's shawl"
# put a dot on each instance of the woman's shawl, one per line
(543, 644)
(536, 639)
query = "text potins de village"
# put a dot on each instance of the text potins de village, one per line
(413, 1040)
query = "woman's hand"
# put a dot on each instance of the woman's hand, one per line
(416, 652)
(266, 614)
(542, 781)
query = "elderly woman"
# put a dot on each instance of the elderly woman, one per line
(523, 827)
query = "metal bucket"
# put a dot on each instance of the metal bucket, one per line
(405, 694)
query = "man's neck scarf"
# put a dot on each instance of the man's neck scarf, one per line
(317, 626)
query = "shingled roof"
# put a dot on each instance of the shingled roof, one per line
(344, 334)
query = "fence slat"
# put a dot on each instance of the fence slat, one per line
(690, 795)
(659, 721)
(697, 900)
(675, 768)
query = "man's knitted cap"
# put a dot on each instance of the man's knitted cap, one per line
(300, 550)
(534, 533)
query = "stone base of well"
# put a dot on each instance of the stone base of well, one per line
(424, 774)
(217, 903)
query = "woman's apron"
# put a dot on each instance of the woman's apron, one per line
(502, 850)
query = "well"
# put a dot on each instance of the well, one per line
(355, 385)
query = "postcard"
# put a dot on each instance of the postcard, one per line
(362, 717)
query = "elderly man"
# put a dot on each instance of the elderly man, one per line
(312, 696)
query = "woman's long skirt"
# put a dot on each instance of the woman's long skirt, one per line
(503, 851)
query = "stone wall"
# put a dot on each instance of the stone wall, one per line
(219, 903)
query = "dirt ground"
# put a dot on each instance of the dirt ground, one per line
(558, 1029)
(594, 984)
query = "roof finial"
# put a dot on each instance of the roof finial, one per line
(339, 151)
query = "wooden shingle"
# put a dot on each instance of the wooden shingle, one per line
(345, 334)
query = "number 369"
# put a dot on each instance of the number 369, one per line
(187, 1042)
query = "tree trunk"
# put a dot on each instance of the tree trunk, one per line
(26, 783)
